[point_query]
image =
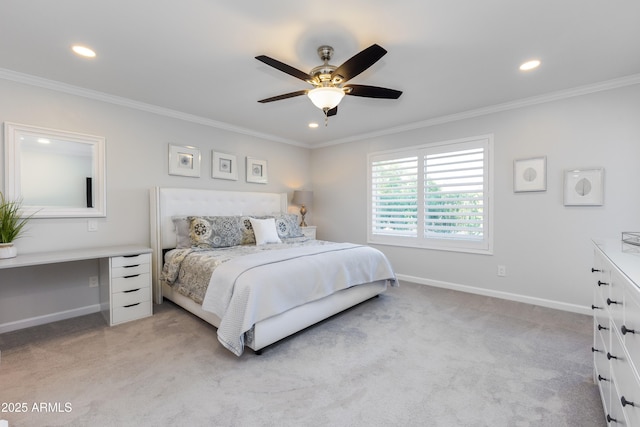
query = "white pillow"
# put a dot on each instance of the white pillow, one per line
(265, 230)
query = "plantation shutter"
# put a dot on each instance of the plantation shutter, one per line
(454, 194)
(394, 197)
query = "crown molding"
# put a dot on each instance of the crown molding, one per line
(513, 105)
(129, 103)
(125, 102)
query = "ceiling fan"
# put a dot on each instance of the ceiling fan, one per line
(329, 80)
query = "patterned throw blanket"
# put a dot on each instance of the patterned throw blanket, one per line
(188, 271)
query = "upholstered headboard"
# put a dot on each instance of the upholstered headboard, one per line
(169, 202)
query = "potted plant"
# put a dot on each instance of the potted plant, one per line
(11, 226)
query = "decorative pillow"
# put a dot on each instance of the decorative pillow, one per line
(265, 230)
(287, 226)
(215, 231)
(248, 237)
(182, 225)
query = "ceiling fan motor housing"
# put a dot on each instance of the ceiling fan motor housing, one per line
(322, 73)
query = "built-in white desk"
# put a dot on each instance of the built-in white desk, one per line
(125, 277)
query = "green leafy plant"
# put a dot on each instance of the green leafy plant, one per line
(11, 223)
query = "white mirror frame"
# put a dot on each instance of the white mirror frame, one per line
(12, 177)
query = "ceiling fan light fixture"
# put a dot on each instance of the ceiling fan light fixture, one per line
(326, 98)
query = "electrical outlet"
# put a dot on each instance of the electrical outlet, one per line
(502, 270)
(93, 281)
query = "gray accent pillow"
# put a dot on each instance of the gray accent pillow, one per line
(287, 226)
(182, 225)
(216, 231)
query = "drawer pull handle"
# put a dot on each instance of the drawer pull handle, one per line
(593, 350)
(593, 270)
(625, 402)
(600, 327)
(611, 420)
(130, 276)
(610, 301)
(131, 290)
(129, 256)
(625, 330)
(131, 266)
(131, 305)
(601, 283)
(611, 356)
(601, 378)
(593, 307)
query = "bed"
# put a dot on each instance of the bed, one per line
(334, 276)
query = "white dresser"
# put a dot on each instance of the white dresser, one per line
(616, 314)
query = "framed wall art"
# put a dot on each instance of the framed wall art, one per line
(530, 174)
(584, 187)
(224, 166)
(184, 160)
(257, 171)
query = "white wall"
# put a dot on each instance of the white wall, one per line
(544, 245)
(137, 153)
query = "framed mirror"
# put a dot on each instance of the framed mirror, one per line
(55, 173)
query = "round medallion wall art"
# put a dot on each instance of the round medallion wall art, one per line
(584, 187)
(530, 174)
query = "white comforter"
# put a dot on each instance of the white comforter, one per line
(246, 290)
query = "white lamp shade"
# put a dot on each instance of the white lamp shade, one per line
(326, 97)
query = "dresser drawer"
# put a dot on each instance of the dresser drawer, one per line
(629, 395)
(127, 260)
(602, 371)
(127, 283)
(631, 324)
(602, 279)
(601, 316)
(121, 299)
(132, 312)
(128, 271)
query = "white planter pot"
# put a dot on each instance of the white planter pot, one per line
(8, 250)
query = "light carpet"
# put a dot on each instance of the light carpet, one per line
(416, 356)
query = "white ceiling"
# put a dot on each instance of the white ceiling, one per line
(196, 57)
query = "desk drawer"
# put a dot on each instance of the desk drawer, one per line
(121, 299)
(127, 283)
(123, 261)
(132, 312)
(130, 270)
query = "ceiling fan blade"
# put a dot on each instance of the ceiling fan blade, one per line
(372, 91)
(284, 96)
(359, 62)
(333, 111)
(284, 68)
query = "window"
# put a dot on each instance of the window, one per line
(433, 196)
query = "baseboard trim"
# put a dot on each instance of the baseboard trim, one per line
(498, 294)
(48, 318)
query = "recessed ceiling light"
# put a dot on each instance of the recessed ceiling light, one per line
(530, 65)
(83, 51)
(313, 125)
